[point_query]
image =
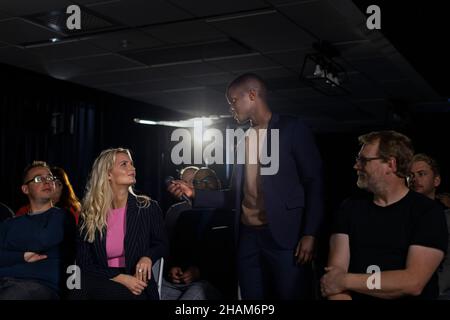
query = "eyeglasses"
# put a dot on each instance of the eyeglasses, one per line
(364, 160)
(40, 179)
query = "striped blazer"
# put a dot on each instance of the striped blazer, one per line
(145, 236)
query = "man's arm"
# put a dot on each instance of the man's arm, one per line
(9, 258)
(339, 257)
(421, 263)
(309, 165)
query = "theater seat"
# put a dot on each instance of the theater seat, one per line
(5, 212)
(157, 271)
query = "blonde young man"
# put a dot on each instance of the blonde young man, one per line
(425, 178)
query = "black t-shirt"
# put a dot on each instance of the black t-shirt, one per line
(382, 235)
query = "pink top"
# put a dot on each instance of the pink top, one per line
(115, 236)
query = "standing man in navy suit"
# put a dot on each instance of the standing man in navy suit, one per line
(278, 215)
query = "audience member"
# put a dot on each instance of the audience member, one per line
(399, 234)
(121, 234)
(189, 257)
(31, 263)
(425, 178)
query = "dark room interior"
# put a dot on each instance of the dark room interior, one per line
(69, 94)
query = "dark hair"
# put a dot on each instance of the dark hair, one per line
(186, 169)
(34, 164)
(68, 199)
(250, 81)
(392, 144)
(211, 176)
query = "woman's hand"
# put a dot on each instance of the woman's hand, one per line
(144, 269)
(133, 284)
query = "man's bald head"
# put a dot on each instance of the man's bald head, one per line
(249, 81)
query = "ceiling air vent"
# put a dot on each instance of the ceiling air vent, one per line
(56, 20)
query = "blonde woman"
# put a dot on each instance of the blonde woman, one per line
(121, 233)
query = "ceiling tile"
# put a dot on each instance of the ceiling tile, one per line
(322, 20)
(140, 12)
(188, 53)
(190, 69)
(27, 7)
(246, 62)
(221, 79)
(109, 78)
(4, 15)
(19, 31)
(184, 32)
(107, 62)
(266, 32)
(378, 68)
(66, 50)
(124, 40)
(291, 58)
(18, 57)
(202, 8)
(62, 70)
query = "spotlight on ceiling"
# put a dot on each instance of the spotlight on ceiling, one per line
(321, 72)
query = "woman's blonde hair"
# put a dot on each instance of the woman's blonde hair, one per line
(99, 196)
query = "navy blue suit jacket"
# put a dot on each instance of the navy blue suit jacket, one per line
(293, 197)
(145, 236)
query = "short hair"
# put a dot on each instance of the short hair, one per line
(184, 170)
(434, 165)
(249, 81)
(34, 164)
(211, 176)
(392, 144)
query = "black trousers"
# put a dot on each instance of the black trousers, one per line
(268, 271)
(95, 287)
(22, 289)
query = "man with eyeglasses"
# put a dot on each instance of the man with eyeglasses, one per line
(30, 245)
(398, 233)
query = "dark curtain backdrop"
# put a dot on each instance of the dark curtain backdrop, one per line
(68, 125)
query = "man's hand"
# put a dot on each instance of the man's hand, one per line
(133, 284)
(305, 249)
(190, 275)
(33, 257)
(178, 187)
(144, 269)
(175, 274)
(444, 198)
(332, 282)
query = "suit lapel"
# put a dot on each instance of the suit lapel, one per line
(131, 219)
(100, 248)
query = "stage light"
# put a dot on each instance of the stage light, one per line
(328, 75)
(188, 123)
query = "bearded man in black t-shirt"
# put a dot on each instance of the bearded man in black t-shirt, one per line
(396, 233)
